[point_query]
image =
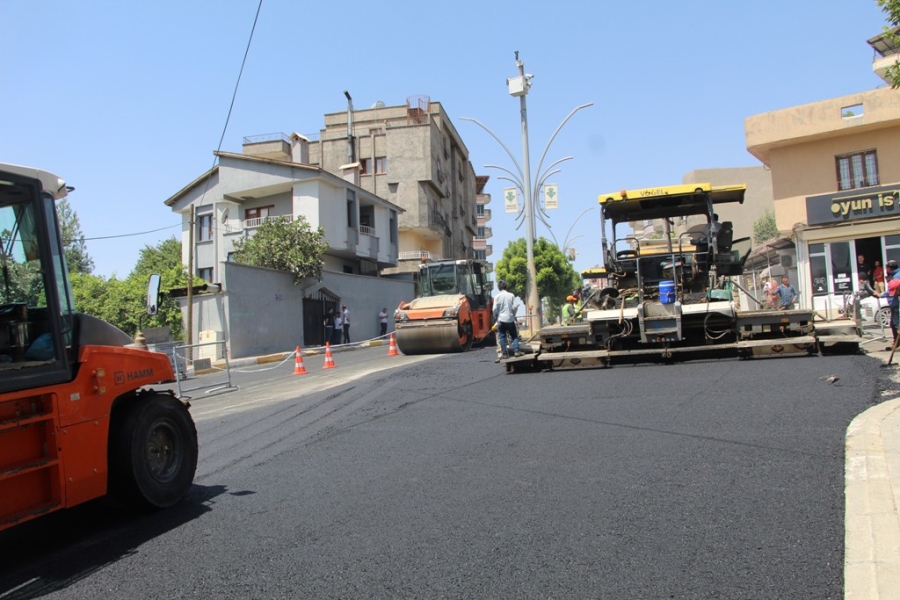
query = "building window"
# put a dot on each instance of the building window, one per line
(381, 165)
(206, 274)
(480, 232)
(365, 166)
(857, 170)
(260, 212)
(204, 228)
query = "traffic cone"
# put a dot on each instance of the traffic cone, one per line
(299, 369)
(329, 360)
(392, 350)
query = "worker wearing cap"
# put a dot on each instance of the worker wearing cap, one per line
(893, 292)
(568, 310)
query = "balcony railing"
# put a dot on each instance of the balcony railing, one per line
(251, 223)
(417, 255)
(366, 230)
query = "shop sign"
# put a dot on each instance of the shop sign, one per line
(853, 205)
(842, 283)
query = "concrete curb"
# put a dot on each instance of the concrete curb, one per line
(283, 356)
(872, 500)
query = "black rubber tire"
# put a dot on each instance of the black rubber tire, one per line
(465, 337)
(153, 451)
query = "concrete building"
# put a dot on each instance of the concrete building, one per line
(835, 168)
(412, 156)
(273, 179)
(481, 243)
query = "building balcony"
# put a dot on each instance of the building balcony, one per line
(239, 226)
(418, 255)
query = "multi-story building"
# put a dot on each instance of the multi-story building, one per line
(835, 168)
(483, 248)
(412, 156)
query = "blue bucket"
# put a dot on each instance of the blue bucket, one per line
(667, 292)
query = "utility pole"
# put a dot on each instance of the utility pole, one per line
(519, 86)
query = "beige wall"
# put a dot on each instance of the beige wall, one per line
(799, 145)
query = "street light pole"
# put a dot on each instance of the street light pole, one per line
(519, 86)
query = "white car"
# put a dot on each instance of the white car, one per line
(875, 311)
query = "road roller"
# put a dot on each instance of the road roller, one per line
(453, 311)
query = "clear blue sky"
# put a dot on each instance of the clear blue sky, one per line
(127, 100)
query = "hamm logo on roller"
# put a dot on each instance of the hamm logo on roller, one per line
(122, 377)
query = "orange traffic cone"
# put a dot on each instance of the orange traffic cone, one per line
(329, 360)
(392, 350)
(299, 369)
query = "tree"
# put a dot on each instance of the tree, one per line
(765, 228)
(77, 257)
(891, 8)
(555, 276)
(284, 245)
(122, 302)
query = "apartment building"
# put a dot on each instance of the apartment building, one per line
(481, 243)
(835, 167)
(412, 156)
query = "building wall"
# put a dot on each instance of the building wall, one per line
(800, 145)
(260, 311)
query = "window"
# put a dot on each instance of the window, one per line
(260, 212)
(381, 165)
(206, 274)
(365, 166)
(857, 170)
(204, 228)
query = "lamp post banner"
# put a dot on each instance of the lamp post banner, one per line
(510, 200)
(551, 196)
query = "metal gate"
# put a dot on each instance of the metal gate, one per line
(315, 306)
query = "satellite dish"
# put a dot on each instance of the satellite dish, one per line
(378, 104)
(225, 215)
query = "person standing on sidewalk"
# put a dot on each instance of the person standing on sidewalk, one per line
(345, 323)
(893, 293)
(382, 320)
(786, 294)
(328, 323)
(338, 329)
(505, 307)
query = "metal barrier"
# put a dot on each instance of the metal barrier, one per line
(201, 363)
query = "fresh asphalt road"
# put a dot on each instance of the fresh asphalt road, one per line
(445, 477)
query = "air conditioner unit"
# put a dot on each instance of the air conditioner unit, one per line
(210, 346)
(787, 261)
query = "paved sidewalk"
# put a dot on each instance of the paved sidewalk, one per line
(872, 497)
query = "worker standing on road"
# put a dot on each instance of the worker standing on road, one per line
(893, 292)
(505, 307)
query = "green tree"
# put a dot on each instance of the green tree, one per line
(891, 9)
(765, 227)
(555, 276)
(77, 258)
(122, 302)
(284, 245)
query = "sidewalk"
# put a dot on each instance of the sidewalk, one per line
(872, 496)
(289, 354)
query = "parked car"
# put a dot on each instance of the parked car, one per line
(873, 311)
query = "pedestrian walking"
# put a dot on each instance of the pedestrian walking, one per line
(345, 323)
(382, 320)
(505, 307)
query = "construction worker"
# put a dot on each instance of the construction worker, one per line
(568, 310)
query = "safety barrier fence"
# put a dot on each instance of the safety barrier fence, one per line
(198, 366)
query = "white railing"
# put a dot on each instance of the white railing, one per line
(365, 230)
(251, 223)
(417, 255)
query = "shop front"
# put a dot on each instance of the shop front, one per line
(848, 237)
